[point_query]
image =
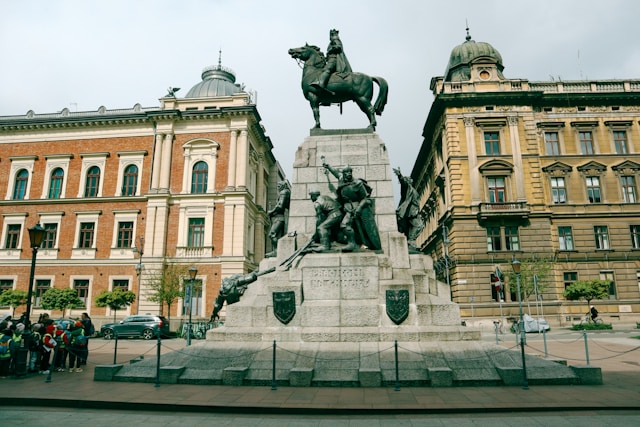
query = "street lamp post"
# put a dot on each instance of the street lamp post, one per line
(516, 269)
(139, 267)
(193, 272)
(36, 236)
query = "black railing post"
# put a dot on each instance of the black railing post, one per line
(397, 388)
(274, 385)
(158, 347)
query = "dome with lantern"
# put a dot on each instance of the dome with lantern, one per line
(464, 56)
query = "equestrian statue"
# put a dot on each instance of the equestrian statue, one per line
(329, 80)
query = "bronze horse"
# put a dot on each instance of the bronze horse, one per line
(355, 87)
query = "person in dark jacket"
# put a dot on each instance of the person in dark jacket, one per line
(7, 349)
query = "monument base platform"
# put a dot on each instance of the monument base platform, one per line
(342, 364)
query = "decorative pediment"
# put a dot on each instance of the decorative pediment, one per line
(557, 169)
(592, 168)
(496, 166)
(627, 168)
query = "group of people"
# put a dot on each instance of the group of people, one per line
(47, 345)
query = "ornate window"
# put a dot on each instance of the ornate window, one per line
(620, 141)
(55, 183)
(55, 175)
(565, 238)
(593, 189)
(199, 178)
(558, 190)
(86, 237)
(196, 176)
(20, 185)
(601, 234)
(13, 236)
(551, 143)
(492, 143)
(586, 141)
(92, 176)
(511, 239)
(92, 182)
(496, 187)
(50, 236)
(130, 181)
(82, 287)
(628, 189)
(125, 234)
(195, 233)
(42, 286)
(494, 242)
(608, 276)
(569, 277)
(121, 284)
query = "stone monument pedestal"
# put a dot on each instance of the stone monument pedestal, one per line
(342, 297)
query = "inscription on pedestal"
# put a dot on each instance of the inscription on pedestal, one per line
(340, 282)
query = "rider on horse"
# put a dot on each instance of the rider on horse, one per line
(336, 61)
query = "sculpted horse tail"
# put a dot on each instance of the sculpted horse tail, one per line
(383, 94)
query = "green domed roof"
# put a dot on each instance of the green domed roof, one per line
(469, 52)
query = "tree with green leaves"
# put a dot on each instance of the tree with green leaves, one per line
(61, 299)
(588, 290)
(115, 300)
(534, 273)
(13, 298)
(166, 286)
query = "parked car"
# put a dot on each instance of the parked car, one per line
(535, 325)
(145, 326)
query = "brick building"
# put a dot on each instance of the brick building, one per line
(512, 169)
(124, 193)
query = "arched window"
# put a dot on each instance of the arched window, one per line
(20, 186)
(92, 182)
(55, 185)
(130, 181)
(199, 178)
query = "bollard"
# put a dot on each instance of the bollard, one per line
(544, 339)
(274, 385)
(586, 346)
(157, 384)
(495, 326)
(397, 388)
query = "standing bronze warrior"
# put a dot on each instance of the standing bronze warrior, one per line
(408, 215)
(278, 217)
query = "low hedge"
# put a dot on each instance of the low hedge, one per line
(592, 327)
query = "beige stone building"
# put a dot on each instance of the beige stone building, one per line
(123, 192)
(547, 171)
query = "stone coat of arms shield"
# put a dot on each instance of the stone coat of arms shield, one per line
(284, 306)
(397, 305)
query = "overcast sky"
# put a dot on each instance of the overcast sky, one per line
(82, 54)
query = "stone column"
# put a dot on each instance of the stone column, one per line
(157, 158)
(517, 158)
(474, 176)
(165, 173)
(242, 160)
(231, 178)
